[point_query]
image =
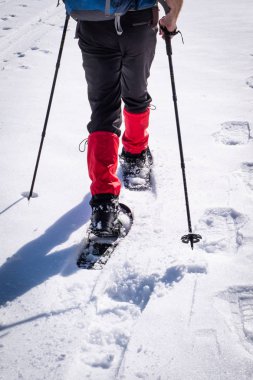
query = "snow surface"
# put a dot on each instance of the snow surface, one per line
(158, 310)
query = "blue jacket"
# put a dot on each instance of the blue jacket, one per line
(98, 10)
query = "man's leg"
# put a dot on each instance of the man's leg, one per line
(102, 65)
(138, 43)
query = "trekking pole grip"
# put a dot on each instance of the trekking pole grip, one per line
(168, 42)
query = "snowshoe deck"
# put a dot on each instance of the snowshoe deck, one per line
(96, 250)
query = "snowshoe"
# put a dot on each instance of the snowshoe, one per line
(100, 243)
(136, 169)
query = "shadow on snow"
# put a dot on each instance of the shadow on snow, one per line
(31, 265)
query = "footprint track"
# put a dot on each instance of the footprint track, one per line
(247, 174)
(20, 54)
(221, 229)
(24, 67)
(249, 82)
(240, 299)
(233, 133)
(6, 18)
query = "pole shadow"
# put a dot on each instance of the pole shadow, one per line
(36, 317)
(31, 265)
(11, 205)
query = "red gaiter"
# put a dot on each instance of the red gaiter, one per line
(102, 162)
(135, 137)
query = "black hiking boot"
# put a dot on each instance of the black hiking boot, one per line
(104, 218)
(136, 169)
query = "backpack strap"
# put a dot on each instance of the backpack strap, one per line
(107, 7)
(117, 24)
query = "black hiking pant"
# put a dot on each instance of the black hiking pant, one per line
(117, 66)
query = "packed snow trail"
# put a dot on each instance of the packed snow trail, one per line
(22, 25)
(157, 310)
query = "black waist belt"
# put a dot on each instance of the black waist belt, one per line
(136, 18)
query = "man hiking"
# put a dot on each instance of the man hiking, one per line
(117, 40)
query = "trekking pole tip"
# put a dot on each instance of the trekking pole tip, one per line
(29, 195)
(191, 238)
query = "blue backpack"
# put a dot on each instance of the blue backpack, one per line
(96, 10)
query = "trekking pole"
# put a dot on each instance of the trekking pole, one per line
(190, 237)
(31, 195)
